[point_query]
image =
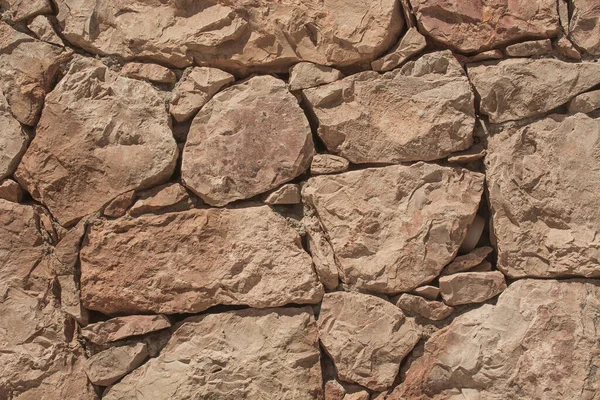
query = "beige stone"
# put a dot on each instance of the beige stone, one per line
(484, 266)
(120, 204)
(19, 10)
(65, 254)
(123, 327)
(108, 366)
(286, 194)
(474, 153)
(366, 337)
(471, 287)
(532, 48)
(585, 102)
(467, 261)
(519, 88)
(322, 254)
(433, 310)
(195, 89)
(584, 27)
(328, 164)
(483, 56)
(13, 141)
(543, 181)
(10, 190)
(566, 49)
(245, 354)
(149, 72)
(334, 390)
(427, 291)
(473, 235)
(163, 198)
(411, 43)
(69, 299)
(43, 30)
(248, 139)
(100, 135)
(360, 395)
(305, 75)
(402, 115)
(394, 228)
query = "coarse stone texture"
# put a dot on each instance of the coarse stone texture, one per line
(427, 291)
(328, 164)
(248, 139)
(236, 36)
(479, 25)
(245, 354)
(10, 190)
(13, 141)
(161, 199)
(519, 88)
(120, 204)
(473, 153)
(532, 48)
(483, 56)
(123, 327)
(471, 287)
(394, 228)
(43, 30)
(566, 49)
(543, 181)
(484, 266)
(585, 102)
(305, 75)
(540, 341)
(189, 261)
(584, 27)
(100, 135)
(108, 366)
(149, 72)
(65, 254)
(473, 235)
(19, 10)
(366, 337)
(422, 111)
(433, 310)
(70, 302)
(322, 254)
(411, 43)
(467, 261)
(287, 194)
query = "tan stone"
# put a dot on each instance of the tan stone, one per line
(43, 30)
(366, 337)
(65, 254)
(195, 89)
(433, 310)
(484, 266)
(148, 72)
(286, 194)
(360, 395)
(466, 262)
(123, 327)
(163, 198)
(540, 341)
(237, 36)
(189, 261)
(120, 204)
(108, 366)
(245, 354)
(519, 88)
(69, 299)
(305, 75)
(100, 135)
(402, 115)
(427, 291)
(483, 56)
(585, 102)
(474, 153)
(543, 181)
(322, 254)
(334, 391)
(13, 141)
(19, 10)
(566, 49)
(533, 48)
(10, 190)
(328, 164)
(584, 28)
(473, 235)
(411, 43)
(478, 25)
(386, 226)
(248, 139)
(471, 287)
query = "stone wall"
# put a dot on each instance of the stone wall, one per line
(299, 199)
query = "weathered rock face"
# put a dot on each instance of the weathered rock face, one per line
(13, 141)
(584, 28)
(123, 327)
(246, 354)
(543, 182)
(43, 30)
(478, 25)
(243, 35)
(521, 88)
(471, 287)
(305, 75)
(193, 260)
(19, 10)
(412, 43)
(248, 139)
(100, 135)
(467, 261)
(160, 199)
(10, 190)
(386, 225)
(150, 72)
(585, 102)
(433, 310)
(506, 351)
(108, 366)
(532, 48)
(423, 111)
(328, 164)
(287, 194)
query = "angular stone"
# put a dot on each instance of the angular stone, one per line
(479, 25)
(108, 366)
(386, 226)
(189, 261)
(163, 198)
(119, 206)
(427, 291)
(471, 287)
(19, 10)
(411, 43)
(248, 139)
(360, 395)
(244, 354)
(65, 255)
(123, 327)
(540, 341)
(286, 194)
(322, 254)
(543, 181)
(473, 235)
(10, 190)
(483, 56)
(563, 14)
(238, 36)
(334, 391)
(43, 30)
(13, 141)
(433, 310)
(585, 102)
(100, 135)
(533, 48)
(366, 337)
(566, 49)
(422, 111)
(584, 28)
(485, 266)
(328, 164)
(512, 89)
(474, 153)
(466, 262)
(69, 299)
(149, 72)
(305, 75)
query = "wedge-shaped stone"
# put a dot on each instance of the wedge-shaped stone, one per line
(422, 111)
(305, 75)
(100, 135)
(471, 287)
(246, 354)
(544, 180)
(123, 327)
(19, 10)
(584, 28)
(519, 88)
(467, 261)
(189, 261)
(13, 141)
(585, 102)
(433, 310)
(10, 190)
(108, 366)
(411, 43)
(393, 229)
(163, 198)
(149, 72)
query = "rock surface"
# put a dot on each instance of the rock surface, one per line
(163, 198)
(566, 49)
(149, 72)
(10, 190)
(100, 135)
(108, 366)
(433, 310)
(411, 43)
(585, 102)
(532, 48)
(43, 30)
(123, 327)
(19, 10)
(328, 164)
(248, 139)
(467, 261)
(245, 354)
(305, 75)
(366, 337)
(422, 111)
(427, 291)
(386, 225)
(322, 254)
(471, 287)
(120, 204)
(584, 27)
(13, 141)
(287, 194)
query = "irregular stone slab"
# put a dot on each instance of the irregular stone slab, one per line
(539, 341)
(328, 164)
(373, 118)
(466, 262)
(322, 253)
(10, 190)
(19, 10)
(108, 366)
(510, 89)
(360, 395)
(149, 72)
(65, 254)
(196, 87)
(427, 291)
(248, 139)
(411, 43)
(244, 354)
(70, 298)
(43, 30)
(471, 287)
(585, 102)
(566, 49)
(197, 259)
(122, 327)
(479, 25)
(485, 266)
(386, 225)
(483, 56)
(160, 199)
(533, 48)
(366, 337)
(433, 310)
(287, 194)
(305, 75)
(474, 153)
(13, 141)
(543, 181)
(238, 36)
(584, 28)
(119, 206)
(100, 135)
